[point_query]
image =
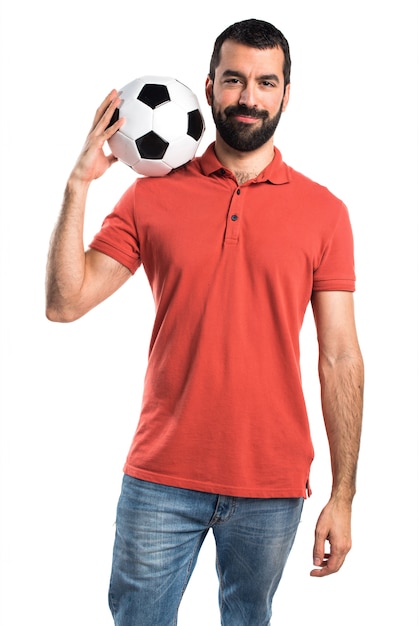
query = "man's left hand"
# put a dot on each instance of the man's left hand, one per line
(333, 528)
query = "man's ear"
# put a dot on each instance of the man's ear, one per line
(209, 90)
(286, 97)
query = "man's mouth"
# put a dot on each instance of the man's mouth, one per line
(245, 115)
(246, 119)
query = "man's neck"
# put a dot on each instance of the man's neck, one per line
(245, 165)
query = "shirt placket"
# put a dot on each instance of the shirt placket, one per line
(234, 218)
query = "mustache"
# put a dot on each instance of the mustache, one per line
(243, 110)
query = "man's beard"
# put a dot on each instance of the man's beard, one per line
(242, 136)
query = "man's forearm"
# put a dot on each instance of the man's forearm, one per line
(342, 401)
(66, 259)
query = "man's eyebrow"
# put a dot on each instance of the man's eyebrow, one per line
(231, 73)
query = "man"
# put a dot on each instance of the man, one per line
(234, 244)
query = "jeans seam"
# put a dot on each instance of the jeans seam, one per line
(221, 588)
(233, 507)
(189, 570)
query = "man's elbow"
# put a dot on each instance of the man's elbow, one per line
(347, 364)
(61, 314)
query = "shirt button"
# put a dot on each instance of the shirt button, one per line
(234, 218)
(238, 192)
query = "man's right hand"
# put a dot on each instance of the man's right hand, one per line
(93, 162)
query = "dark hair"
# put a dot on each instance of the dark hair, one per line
(256, 34)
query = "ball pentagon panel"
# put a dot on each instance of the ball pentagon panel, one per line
(195, 124)
(154, 95)
(151, 146)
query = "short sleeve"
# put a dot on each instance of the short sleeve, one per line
(336, 269)
(118, 237)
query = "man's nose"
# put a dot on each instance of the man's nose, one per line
(247, 96)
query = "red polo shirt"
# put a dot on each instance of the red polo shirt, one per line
(232, 269)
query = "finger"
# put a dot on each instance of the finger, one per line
(112, 126)
(111, 159)
(330, 565)
(110, 121)
(319, 548)
(106, 109)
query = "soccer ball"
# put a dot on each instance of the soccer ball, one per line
(163, 125)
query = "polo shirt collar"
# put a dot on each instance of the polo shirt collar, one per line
(276, 172)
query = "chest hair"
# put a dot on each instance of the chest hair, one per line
(243, 177)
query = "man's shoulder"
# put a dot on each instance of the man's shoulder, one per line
(307, 185)
(302, 179)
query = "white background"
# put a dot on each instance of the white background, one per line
(70, 394)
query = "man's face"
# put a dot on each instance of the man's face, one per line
(247, 96)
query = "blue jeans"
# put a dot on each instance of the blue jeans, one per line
(159, 532)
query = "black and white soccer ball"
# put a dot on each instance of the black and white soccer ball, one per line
(163, 125)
